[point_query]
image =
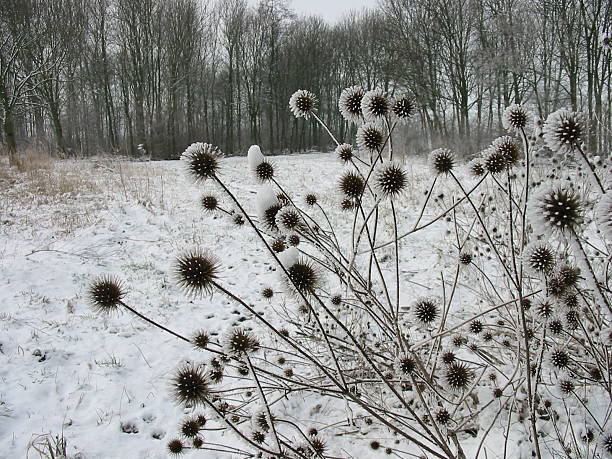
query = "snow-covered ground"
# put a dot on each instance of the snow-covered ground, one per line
(104, 381)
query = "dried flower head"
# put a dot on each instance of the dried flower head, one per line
(564, 131)
(267, 293)
(190, 427)
(303, 276)
(311, 199)
(267, 206)
(293, 240)
(476, 167)
(278, 245)
(566, 386)
(344, 152)
(190, 385)
(545, 309)
(465, 257)
(557, 207)
(106, 294)
(555, 326)
(374, 105)
(458, 376)
(606, 442)
(405, 364)
(351, 184)
(202, 160)
(448, 357)
(391, 179)
(403, 107)
(508, 148)
(239, 341)
(197, 271)
(210, 202)
(560, 358)
(201, 339)
(538, 257)
(441, 160)
(494, 160)
(426, 310)
(476, 326)
(443, 417)
(302, 103)
(516, 117)
(370, 137)
(288, 219)
(347, 204)
(175, 447)
(262, 169)
(350, 103)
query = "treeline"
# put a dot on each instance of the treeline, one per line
(151, 76)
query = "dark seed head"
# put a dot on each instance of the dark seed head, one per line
(106, 294)
(197, 271)
(201, 339)
(391, 180)
(175, 447)
(190, 385)
(240, 341)
(426, 310)
(202, 160)
(190, 428)
(210, 202)
(351, 185)
(458, 376)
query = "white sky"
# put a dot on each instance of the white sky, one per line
(331, 10)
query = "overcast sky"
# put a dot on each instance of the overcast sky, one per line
(331, 10)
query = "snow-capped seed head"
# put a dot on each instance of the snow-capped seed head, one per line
(538, 257)
(559, 358)
(476, 167)
(374, 105)
(239, 341)
(516, 117)
(441, 160)
(351, 184)
(210, 202)
(302, 103)
(176, 447)
(606, 442)
(370, 137)
(202, 160)
(106, 294)
(288, 219)
(344, 152)
(458, 376)
(563, 131)
(603, 215)
(391, 179)
(200, 339)
(426, 310)
(566, 386)
(311, 199)
(557, 207)
(190, 427)
(197, 271)
(303, 276)
(403, 107)
(507, 147)
(350, 103)
(267, 206)
(494, 160)
(190, 385)
(405, 365)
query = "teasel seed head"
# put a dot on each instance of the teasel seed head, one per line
(106, 294)
(197, 271)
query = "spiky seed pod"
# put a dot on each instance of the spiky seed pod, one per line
(476, 167)
(351, 184)
(508, 147)
(288, 372)
(459, 341)
(448, 357)
(566, 386)
(293, 240)
(370, 137)
(571, 301)
(443, 417)
(200, 339)
(494, 161)
(476, 327)
(269, 216)
(465, 257)
(403, 107)
(374, 105)
(545, 309)
(238, 218)
(426, 310)
(350, 103)
(569, 275)
(487, 336)
(603, 215)
(106, 294)
(239, 341)
(242, 370)
(259, 420)
(538, 257)
(559, 358)
(441, 160)
(556, 208)
(497, 392)
(312, 432)
(176, 447)
(302, 103)
(606, 443)
(267, 293)
(190, 427)
(563, 131)
(303, 276)
(210, 203)
(516, 117)
(405, 365)
(391, 179)
(201, 420)
(572, 319)
(347, 204)
(288, 219)
(555, 326)
(344, 152)
(318, 445)
(264, 171)
(197, 271)
(458, 376)
(278, 245)
(336, 300)
(197, 442)
(190, 385)
(215, 374)
(258, 436)
(202, 160)
(311, 199)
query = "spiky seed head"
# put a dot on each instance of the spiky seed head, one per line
(267, 293)
(406, 365)
(374, 105)
(288, 219)
(403, 107)
(494, 161)
(375, 444)
(568, 275)
(176, 447)
(238, 219)
(258, 436)
(539, 258)
(448, 357)
(318, 445)
(391, 179)
(442, 160)
(564, 131)
(572, 319)
(571, 302)
(311, 199)
(190, 385)
(458, 376)
(239, 341)
(269, 216)
(210, 202)
(201, 420)
(197, 271)
(559, 358)
(344, 152)
(106, 294)
(347, 204)
(264, 171)
(507, 147)
(556, 208)
(197, 442)
(202, 160)
(370, 137)
(293, 240)
(476, 327)
(516, 117)
(215, 374)
(566, 386)
(606, 442)
(465, 257)
(426, 310)
(303, 276)
(336, 300)
(443, 417)
(487, 336)
(476, 167)
(278, 245)
(200, 339)
(603, 215)
(190, 427)
(351, 184)
(302, 103)
(555, 326)
(259, 420)
(497, 392)
(545, 309)
(459, 341)
(350, 103)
